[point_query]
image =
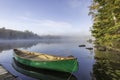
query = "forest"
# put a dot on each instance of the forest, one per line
(106, 23)
(13, 34)
(8, 34)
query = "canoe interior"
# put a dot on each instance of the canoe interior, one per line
(40, 56)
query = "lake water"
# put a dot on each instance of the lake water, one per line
(56, 47)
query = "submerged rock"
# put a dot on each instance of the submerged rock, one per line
(101, 48)
(82, 45)
(90, 48)
(90, 40)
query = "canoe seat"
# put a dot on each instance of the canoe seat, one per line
(23, 55)
(43, 56)
(32, 56)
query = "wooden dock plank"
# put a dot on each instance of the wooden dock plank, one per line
(5, 75)
(2, 71)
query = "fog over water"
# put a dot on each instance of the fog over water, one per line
(60, 47)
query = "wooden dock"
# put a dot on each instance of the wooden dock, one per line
(5, 75)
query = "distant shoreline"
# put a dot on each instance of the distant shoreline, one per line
(19, 39)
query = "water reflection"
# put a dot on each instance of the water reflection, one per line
(107, 66)
(11, 44)
(6, 45)
(42, 74)
(54, 47)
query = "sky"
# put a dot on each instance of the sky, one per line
(46, 17)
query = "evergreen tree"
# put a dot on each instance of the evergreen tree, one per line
(106, 22)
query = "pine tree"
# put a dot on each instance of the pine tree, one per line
(106, 22)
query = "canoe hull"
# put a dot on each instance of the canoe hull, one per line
(41, 74)
(60, 65)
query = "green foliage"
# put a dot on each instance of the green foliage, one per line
(106, 21)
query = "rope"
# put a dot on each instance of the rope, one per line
(69, 76)
(71, 72)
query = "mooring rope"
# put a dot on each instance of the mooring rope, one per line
(71, 72)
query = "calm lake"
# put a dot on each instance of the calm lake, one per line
(56, 47)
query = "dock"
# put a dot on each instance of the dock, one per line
(5, 75)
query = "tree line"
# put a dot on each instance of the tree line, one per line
(106, 22)
(13, 34)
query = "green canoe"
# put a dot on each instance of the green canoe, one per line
(45, 61)
(41, 74)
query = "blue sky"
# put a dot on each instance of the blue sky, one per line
(53, 17)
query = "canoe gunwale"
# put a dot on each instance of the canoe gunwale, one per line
(45, 60)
